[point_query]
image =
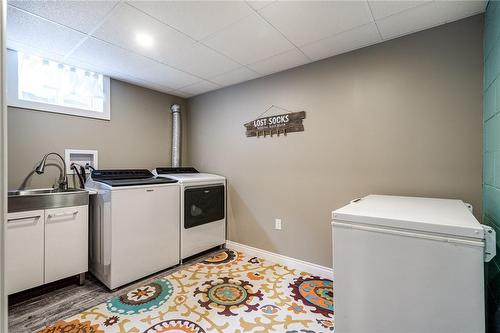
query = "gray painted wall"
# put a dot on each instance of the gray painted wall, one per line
(138, 135)
(402, 117)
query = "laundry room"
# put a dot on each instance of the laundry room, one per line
(250, 166)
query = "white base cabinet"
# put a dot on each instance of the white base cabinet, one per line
(24, 241)
(66, 242)
(43, 246)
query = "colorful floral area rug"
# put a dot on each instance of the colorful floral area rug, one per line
(228, 292)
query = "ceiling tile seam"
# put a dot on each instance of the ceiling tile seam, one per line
(192, 84)
(233, 70)
(87, 36)
(209, 36)
(465, 16)
(432, 26)
(199, 42)
(338, 34)
(129, 77)
(84, 35)
(179, 91)
(220, 53)
(341, 32)
(138, 81)
(276, 55)
(405, 10)
(373, 19)
(234, 60)
(271, 2)
(250, 69)
(279, 31)
(184, 33)
(146, 84)
(93, 30)
(106, 17)
(180, 94)
(149, 58)
(45, 19)
(195, 94)
(160, 21)
(29, 46)
(349, 50)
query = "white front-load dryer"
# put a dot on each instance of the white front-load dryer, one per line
(202, 209)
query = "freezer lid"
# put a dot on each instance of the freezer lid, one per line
(442, 216)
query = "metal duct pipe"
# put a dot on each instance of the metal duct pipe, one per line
(176, 135)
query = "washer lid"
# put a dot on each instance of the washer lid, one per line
(443, 216)
(128, 177)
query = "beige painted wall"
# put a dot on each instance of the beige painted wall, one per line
(402, 117)
(137, 136)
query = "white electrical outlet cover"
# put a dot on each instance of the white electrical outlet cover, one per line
(277, 224)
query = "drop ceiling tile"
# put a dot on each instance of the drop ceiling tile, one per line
(115, 59)
(456, 10)
(280, 62)
(126, 21)
(427, 16)
(249, 40)
(111, 71)
(171, 47)
(235, 76)
(115, 74)
(48, 54)
(343, 42)
(149, 85)
(381, 9)
(80, 15)
(306, 21)
(197, 19)
(181, 94)
(40, 34)
(198, 88)
(200, 60)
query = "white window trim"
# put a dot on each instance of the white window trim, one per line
(14, 101)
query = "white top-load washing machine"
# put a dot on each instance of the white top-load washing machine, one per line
(202, 206)
(134, 226)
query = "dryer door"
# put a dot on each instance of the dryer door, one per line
(203, 205)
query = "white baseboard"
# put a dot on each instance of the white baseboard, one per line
(300, 265)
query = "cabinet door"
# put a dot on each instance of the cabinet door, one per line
(66, 242)
(24, 250)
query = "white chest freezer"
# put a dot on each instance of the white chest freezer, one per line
(409, 265)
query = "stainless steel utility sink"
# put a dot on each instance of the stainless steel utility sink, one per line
(45, 198)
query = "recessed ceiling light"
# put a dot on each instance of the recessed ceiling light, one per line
(144, 40)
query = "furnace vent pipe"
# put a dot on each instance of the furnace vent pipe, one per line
(176, 135)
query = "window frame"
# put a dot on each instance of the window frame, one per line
(14, 101)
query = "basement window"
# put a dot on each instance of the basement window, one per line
(46, 85)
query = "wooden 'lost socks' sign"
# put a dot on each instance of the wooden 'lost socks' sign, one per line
(279, 124)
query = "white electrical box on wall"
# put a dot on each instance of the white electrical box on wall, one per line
(81, 157)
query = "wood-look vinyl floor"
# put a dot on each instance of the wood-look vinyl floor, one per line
(33, 310)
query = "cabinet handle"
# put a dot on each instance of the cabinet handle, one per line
(63, 214)
(149, 190)
(20, 219)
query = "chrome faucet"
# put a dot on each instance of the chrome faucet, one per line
(63, 177)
